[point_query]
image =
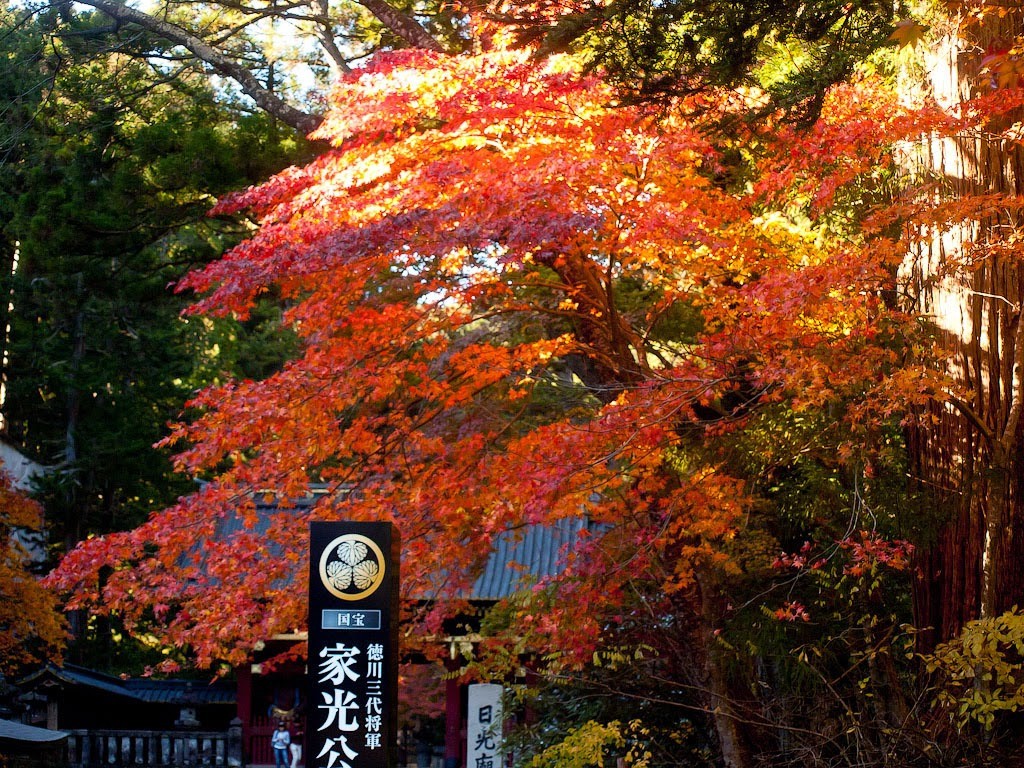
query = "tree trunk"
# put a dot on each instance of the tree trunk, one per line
(966, 454)
(732, 739)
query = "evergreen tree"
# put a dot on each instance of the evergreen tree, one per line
(107, 180)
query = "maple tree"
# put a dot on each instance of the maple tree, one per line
(517, 303)
(521, 300)
(491, 208)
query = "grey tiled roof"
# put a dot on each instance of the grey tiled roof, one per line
(177, 692)
(19, 733)
(520, 558)
(180, 692)
(523, 557)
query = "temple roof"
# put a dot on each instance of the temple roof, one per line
(522, 557)
(519, 558)
(151, 690)
(19, 734)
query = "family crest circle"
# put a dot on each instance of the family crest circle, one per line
(352, 567)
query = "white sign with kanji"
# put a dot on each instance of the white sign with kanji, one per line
(484, 729)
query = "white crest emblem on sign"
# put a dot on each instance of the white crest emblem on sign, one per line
(352, 567)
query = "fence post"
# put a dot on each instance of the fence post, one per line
(235, 743)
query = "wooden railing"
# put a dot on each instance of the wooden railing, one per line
(154, 749)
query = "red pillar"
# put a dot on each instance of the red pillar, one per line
(244, 704)
(452, 718)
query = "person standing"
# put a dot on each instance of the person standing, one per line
(280, 742)
(296, 745)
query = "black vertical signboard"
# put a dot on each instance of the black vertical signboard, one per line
(353, 646)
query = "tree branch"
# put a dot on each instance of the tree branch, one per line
(972, 416)
(402, 25)
(326, 37)
(265, 99)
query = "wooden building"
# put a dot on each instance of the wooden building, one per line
(108, 721)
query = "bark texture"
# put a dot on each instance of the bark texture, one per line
(968, 280)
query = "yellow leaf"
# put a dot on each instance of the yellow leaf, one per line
(908, 32)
